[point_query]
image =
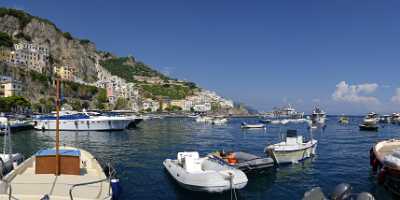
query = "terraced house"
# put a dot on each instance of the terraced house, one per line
(32, 55)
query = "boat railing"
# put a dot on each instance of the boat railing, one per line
(88, 183)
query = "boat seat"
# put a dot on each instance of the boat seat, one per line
(182, 155)
(192, 165)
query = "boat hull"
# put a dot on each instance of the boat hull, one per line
(368, 128)
(83, 125)
(292, 156)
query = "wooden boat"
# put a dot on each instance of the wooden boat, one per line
(206, 174)
(59, 173)
(292, 150)
(245, 161)
(251, 126)
(385, 159)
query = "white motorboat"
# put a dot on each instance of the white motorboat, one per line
(318, 116)
(395, 118)
(385, 119)
(293, 149)
(207, 174)
(204, 119)
(370, 122)
(83, 121)
(219, 120)
(251, 126)
(287, 112)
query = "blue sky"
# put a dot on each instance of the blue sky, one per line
(262, 53)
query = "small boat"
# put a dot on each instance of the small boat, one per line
(318, 116)
(292, 150)
(219, 120)
(385, 119)
(342, 191)
(385, 159)
(369, 122)
(344, 120)
(206, 174)
(8, 159)
(245, 161)
(204, 119)
(251, 126)
(395, 118)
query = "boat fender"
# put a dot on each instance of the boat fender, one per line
(116, 189)
(371, 156)
(375, 165)
(382, 176)
(342, 191)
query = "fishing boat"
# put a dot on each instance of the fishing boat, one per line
(245, 161)
(83, 121)
(370, 122)
(342, 191)
(60, 173)
(206, 174)
(292, 150)
(318, 116)
(251, 126)
(385, 159)
(344, 120)
(8, 159)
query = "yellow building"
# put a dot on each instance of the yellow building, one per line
(5, 54)
(10, 88)
(65, 72)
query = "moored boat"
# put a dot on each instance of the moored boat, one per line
(318, 116)
(344, 120)
(8, 159)
(206, 174)
(251, 126)
(83, 121)
(370, 122)
(385, 119)
(245, 161)
(293, 149)
(385, 159)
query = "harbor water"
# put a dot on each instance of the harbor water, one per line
(342, 156)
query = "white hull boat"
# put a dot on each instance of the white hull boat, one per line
(252, 126)
(292, 150)
(84, 122)
(219, 121)
(318, 116)
(204, 119)
(207, 174)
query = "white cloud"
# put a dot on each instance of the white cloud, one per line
(355, 93)
(396, 97)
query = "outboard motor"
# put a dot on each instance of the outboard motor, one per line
(341, 192)
(116, 189)
(314, 194)
(365, 196)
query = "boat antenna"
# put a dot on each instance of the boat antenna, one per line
(57, 127)
(9, 140)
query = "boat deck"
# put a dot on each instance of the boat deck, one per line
(26, 184)
(388, 149)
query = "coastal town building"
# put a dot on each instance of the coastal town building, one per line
(150, 105)
(202, 107)
(65, 72)
(148, 79)
(5, 54)
(33, 56)
(10, 88)
(185, 105)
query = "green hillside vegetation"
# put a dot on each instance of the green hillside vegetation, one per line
(118, 67)
(168, 90)
(5, 40)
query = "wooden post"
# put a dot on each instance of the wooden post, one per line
(58, 127)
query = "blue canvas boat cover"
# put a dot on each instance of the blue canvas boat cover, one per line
(63, 152)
